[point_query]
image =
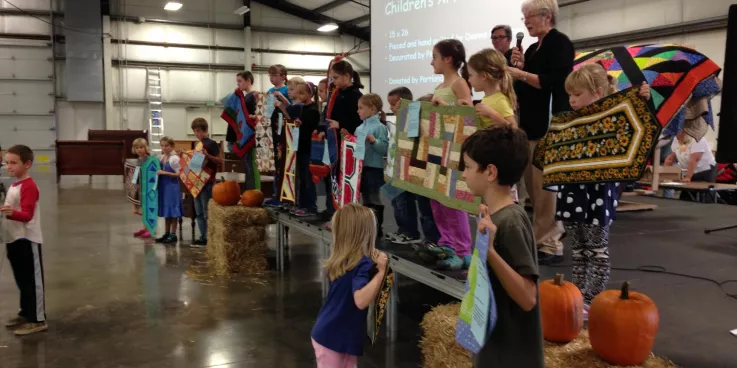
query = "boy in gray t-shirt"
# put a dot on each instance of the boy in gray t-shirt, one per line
(493, 160)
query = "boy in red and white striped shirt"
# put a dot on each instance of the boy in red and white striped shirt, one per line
(23, 225)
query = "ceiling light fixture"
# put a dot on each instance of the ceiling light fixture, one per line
(242, 10)
(328, 27)
(173, 6)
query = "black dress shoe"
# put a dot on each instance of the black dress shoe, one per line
(546, 259)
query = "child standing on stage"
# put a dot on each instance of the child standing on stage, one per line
(493, 160)
(356, 270)
(487, 74)
(377, 145)
(309, 119)
(170, 197)
(587, 210)
(277, 77)
(448, 57)
(211, 150)
(23, 226)
(140, 148)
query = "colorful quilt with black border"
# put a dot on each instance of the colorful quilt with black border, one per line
(429, 165)
(150, 193)
(289, 182)
(236, 115)
(347, 187)
(264, 138)
(672, 71)
(193, 181)
(607, 141)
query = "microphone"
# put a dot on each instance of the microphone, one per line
(520, 36)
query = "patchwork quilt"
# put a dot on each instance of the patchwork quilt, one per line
(193, 181)
(150, 193)
(377, 309)
(429, 165)
(607, 141)
(264, 138)
(672, 71)
(236, 115)
(289, 182)
(347, 181)
(132, 191)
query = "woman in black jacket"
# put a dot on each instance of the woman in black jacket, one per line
(541, 73)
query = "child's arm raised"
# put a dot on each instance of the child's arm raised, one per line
(364, 296)
(521, 289)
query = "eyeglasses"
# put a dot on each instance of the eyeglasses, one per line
(494, 38)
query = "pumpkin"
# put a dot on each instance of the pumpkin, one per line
(561, 308)
(622, 326)
(226, 192)
(252, 198)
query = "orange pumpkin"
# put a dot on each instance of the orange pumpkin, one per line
(623, 325)
(252, 198)
(226, 192)
(561, 308)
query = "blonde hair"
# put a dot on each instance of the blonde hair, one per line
(295, 81)
(354, 236)
(544, 7)
(168, 140)
(492, 64)
(590, 77)
(372, 100)
(138, 143)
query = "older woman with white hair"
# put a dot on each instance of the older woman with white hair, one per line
(541, 73)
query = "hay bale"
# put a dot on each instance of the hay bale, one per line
(438, 343)
(440, 350)
(237, 239)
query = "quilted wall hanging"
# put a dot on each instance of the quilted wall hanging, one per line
(377, 309)
(237, 116)
(607, 141)
(289, 182)
(428, 165)
(672, 71)
(193, 180)
(132, 191)
(150, 193)
(264, 137)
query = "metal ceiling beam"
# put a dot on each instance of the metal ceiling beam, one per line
(668, 30)
(329, 6)
(140, 20)
(358, 20)
(34, 12)
(214, 67)
(300, 12)
(220, 48)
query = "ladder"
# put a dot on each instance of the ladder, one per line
(155, 118)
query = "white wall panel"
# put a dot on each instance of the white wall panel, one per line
(74, 119)
(31, 63)
(157, 32)
(24, 24)
(177, 119)
(177, 85)
(33, 131)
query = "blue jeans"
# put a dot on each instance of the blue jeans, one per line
(405, 214)
(200, 208)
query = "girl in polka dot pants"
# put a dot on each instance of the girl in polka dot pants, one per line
(587, 210)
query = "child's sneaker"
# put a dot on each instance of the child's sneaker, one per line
(18, 320)
(404, 239)
(31, 328)
(452, 263)
(145, 234)
(391, 236)
(170, 239)
(162, 239)
(303, 213)
(139, 233)
(199, 243)
(272, 203)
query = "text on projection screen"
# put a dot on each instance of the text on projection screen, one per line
(403, 33)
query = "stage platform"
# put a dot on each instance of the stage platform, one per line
(696, 316)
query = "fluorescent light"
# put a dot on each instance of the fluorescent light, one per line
(328, 27)
(242, 10)
(173, 5)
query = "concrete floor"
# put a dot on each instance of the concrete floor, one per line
(116, 301)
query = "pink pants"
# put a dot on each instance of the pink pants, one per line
(453, 228)
(327, 358)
